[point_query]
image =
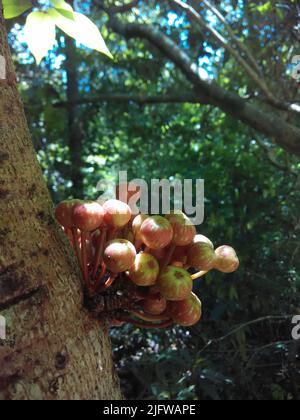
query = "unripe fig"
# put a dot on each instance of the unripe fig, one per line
(116, 213)
(175, 283)
(137, 224)
(64, 213)
(186, 312)
(204, 239)
(119, 255)
(145, 270)
(183, 229)
(226, 259)
(124, 194)
(156, 232)
(155, 306)
(201, 255)
(88, 216)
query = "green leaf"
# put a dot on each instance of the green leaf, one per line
(83, 30)
(40, 34)
(14, 9)
(63, 8)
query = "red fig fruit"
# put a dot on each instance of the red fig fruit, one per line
(201, 255)
(116, 213)
(137, 224)
(183, 229)
(204, 239)
(226, 259)
(64, 213)
(145, 270)
(175, 283)
(187, 312)
(88, 216)
(119, 255)
(155, 306)
(156, 232)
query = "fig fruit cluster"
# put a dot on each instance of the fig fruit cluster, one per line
(159, 256)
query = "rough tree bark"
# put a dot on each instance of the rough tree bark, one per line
(54, 349)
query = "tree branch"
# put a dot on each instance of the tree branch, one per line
(284, 134)
(258, 80)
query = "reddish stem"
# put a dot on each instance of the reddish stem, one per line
(107, 284)
(99, 252)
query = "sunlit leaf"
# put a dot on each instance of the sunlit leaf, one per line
(39, 34)
(14, 9)
(82, 29)
(63, 8)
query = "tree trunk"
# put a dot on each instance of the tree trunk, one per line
(53, 348)
(75, 131)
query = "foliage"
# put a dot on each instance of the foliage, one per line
(252, 190)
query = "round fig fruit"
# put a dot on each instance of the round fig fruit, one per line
(155, 306)
(183, 229)
(119, 255)
(88, 216)
(137, 224)
(116, 213)
(64, 213)
(226, 259)
(175, 283)
(201, 255)
(156, 232)
(203, 239)
(186, 312)
(145, 270)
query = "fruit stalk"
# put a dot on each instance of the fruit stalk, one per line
(99, 252)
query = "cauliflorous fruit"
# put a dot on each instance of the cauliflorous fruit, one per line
(156, 232)
(116, 213)
(145, 270)
(119, 255)
(201, 255)
(226, 259)
(186, 312)
(155, 306)
(64, 213)
(183, 230)
(175, 283)
(88, 216)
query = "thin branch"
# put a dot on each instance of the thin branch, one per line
(242, 327)
(227, 46)
(272, 159)
(213, 8)
(113, 10)
(284, 134)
